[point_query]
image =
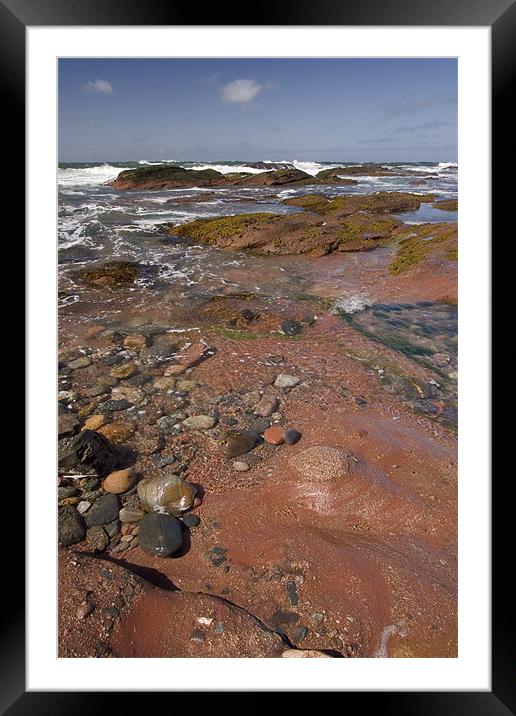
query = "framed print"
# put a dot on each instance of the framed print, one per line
(258, 292)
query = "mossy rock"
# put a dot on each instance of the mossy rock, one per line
(446, 205)
(164, 176)
(384, 202)
(419, 241)
(333, 176)
(213, 231)
(114, 273)
(279, 177)
(362, 231)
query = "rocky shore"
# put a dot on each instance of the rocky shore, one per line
(252, 475)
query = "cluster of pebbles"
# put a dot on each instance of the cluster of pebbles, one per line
(116, 406)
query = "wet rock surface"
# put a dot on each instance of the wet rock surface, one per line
(339, 539)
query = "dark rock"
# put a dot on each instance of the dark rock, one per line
(66, 491)
(239, 443)
(291, 436)
(137, 380)
(114, 360)
(70, 526)
(275, 359)
(160, 534)
(103, 511)
(86, 453)
(97, 538)
(90, 484)
(249, 315)
(282, 617)
(67, 425)
(112, 528)
(197, 635)
(114, 405)
(300, 634)
(191, 520)
(292, 593)
(291, 328)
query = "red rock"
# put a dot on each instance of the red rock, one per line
(274, 435)
(197, 501)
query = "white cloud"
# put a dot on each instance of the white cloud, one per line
(100, 86)
(240, 91)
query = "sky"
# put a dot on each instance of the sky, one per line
(253, 109)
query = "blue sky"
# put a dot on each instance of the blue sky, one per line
(252, 109)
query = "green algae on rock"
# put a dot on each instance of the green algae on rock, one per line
(419, 241)
(384, 202)
(114, 273)
(164, 176)
(446, 205)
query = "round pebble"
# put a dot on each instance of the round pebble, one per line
(291, 436)
(240, 466)
(191, 520)
(274, 435)
(120, 481)
(160, 534)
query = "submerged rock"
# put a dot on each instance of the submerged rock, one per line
(238, 443)
(87, 453)
(291, 328)
(160, 534)
(166, 493)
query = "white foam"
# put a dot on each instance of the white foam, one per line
(88, 176)
(352, 304)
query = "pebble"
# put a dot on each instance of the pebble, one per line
(186, 385)
(66, 491)
(112, 528)
(191, 520)
(274, 435)
(124, 371)
(104, 510)
(291, 328)
(174, 370)
(160, 534)
(167, 492)
(240, 466)
(291, 436)
(164, 383)
(82, 362)
(275, 359)
(284, 380)
(70, 526)
(121, 547)
(120, 481)
(85, 609)
(130, 514)
(114, 360)
(94, 422)
(239, 443)
(266, 406)
(97, 538)
(117, 433)
(67, 424)
(200, 422)
(115, 405)
(135, 341)
(300, 633)
(169, 422)
(83, 506)
(197, 635)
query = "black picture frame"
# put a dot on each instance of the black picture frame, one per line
(500, 16)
